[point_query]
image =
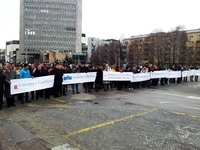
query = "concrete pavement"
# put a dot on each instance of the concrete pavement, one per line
(166, 117)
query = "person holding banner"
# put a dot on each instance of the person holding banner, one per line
(58, 79)
(99, 78)
(10, 74)
(192, 76)
(47, 91)
(86, 85)
(120, 83)
(25, 73)
(106, 83)
(65, 87)
(2, 83)
(39, 73)
(185, 68)
(196, 77)
(75, 70)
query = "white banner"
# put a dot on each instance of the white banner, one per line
(140, 77)
(31, 84)
(73, 78)
(186, 73)
(174, 74)
(117, 76)
(159, 74)
(192, 72)
(197, 72)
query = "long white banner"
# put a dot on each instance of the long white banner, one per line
(174, 74)
(31, 84)
(197, 72)
(117, 76)
(159, 74)
(140, 77)
(73, 78)
(34, 84)
(186, 73)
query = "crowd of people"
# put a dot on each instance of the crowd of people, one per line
(21, 71)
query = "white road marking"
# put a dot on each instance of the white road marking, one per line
(64, 147)
(190, 97)
(165, 102)
(193, 97)
(170, 94)
(194, 108)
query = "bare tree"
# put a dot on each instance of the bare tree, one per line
(135, 54)
(177, 41)
(108, 53)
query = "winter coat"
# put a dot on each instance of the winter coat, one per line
(58, 76)
(24, 73)
(9, 76)
(2, 81)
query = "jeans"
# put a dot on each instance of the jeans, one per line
(73, 90)
(24, 95)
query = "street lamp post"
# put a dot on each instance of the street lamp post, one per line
(26, 45)
(27, 32)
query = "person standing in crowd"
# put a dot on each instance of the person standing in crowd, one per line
(196, 77)
(75, 70)
(162, 80)
(150, 69)
(90, 83)
(144, 83)
(99, 78)
(19, 69)
(106, 83)
(39, 73)
(33, 72)
(2, 83)
(47, 91)
(24, 74)
(192, 76)
(138, 70)
(65, 87)
(179, 68)
(9, 74)
(172, 80)
(185, 68)
(129, 83)
(166, 79)
(120, 83)
(58, 79)
(112, 83)
(85, 69)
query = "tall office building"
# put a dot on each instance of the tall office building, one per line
(50, 25)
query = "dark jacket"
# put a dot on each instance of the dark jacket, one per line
(58, 76)
(2, 81)
(9, 76)
(99, 77)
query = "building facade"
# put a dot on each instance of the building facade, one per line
(194, 44)
(12, 53)
(50, 25)
(2, 55)
(178, 47)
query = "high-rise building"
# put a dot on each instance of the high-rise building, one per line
(50, 25)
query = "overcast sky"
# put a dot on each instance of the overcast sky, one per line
(114, 19)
